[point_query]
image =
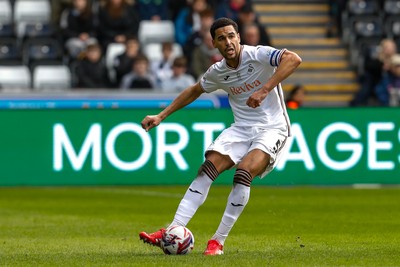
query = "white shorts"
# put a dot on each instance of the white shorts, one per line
(237, 141)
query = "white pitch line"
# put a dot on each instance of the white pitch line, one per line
(367, 186)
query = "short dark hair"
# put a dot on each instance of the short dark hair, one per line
(222, 22)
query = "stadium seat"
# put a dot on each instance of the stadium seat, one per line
(34, 29)
(52, 78)
(392, 7)
(363, 7)
(6, 22)
(367, 27)
(32, 11)
(392, 26)
(15, 77)
(9, 52)
(5, 12)
(153, 51)
(41, 49)
(363, 31)
(156, 31)
(113, 50)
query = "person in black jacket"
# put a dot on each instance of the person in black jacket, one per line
(91, 71)
(247, 16)
(77, 27)
(123, 63)
(117, 21)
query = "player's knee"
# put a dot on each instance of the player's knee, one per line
(242, 177)
(209, 169)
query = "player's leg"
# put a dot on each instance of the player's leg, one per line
(197, 192)
(252, 164)
(195, 195)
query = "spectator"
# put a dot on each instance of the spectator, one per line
(124, 62)
(196, 38)
(153, 9)
(91, 71)
(188, 21)
(179, 79)
(296, 97)
(248, 16)
(204, 56)
(375, 64)
(250, 35)
(57, 7)
(117, 20)
(230, 9)
(140, 76)
(77, 27)
(390, 82)
(161, 69)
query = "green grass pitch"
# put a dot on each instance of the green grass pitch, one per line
(281, 226)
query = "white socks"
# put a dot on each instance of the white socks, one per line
(237, 200)
(193, 199)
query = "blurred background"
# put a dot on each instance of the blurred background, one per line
(60, 59)
(348, 46)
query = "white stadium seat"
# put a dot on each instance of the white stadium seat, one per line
(156, 31)
(5, 12)
(53, 77)
(32, 11)
(113, 50)
(15, 77)
(153, 51)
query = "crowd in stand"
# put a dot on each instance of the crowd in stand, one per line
(371, 28)
(86, 28)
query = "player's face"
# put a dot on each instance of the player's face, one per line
(227, 41)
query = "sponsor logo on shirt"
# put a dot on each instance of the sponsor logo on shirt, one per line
(246, 87)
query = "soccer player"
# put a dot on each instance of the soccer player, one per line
(253, 144)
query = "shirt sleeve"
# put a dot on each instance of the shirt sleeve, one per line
(269, 55)
(209, 81)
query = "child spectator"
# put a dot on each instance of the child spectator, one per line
(161, 69)
(296, 96)
(180, 80)
(140, 76)
(91, 71)
(124, 62)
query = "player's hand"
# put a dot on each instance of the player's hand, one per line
(150, 122)
(256, 98)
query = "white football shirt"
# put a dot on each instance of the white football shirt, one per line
(256, 65)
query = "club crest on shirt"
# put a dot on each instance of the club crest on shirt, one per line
(250, 69)
(238, 75)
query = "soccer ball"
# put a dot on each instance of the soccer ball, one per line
(177, 240)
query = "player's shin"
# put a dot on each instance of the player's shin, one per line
(196, 194)
(237, 201)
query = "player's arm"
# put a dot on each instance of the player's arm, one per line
(288, 64)
(186, 97)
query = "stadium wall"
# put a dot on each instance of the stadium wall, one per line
(108, 147)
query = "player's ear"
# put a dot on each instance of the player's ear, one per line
(238, 35)
(213, 42)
